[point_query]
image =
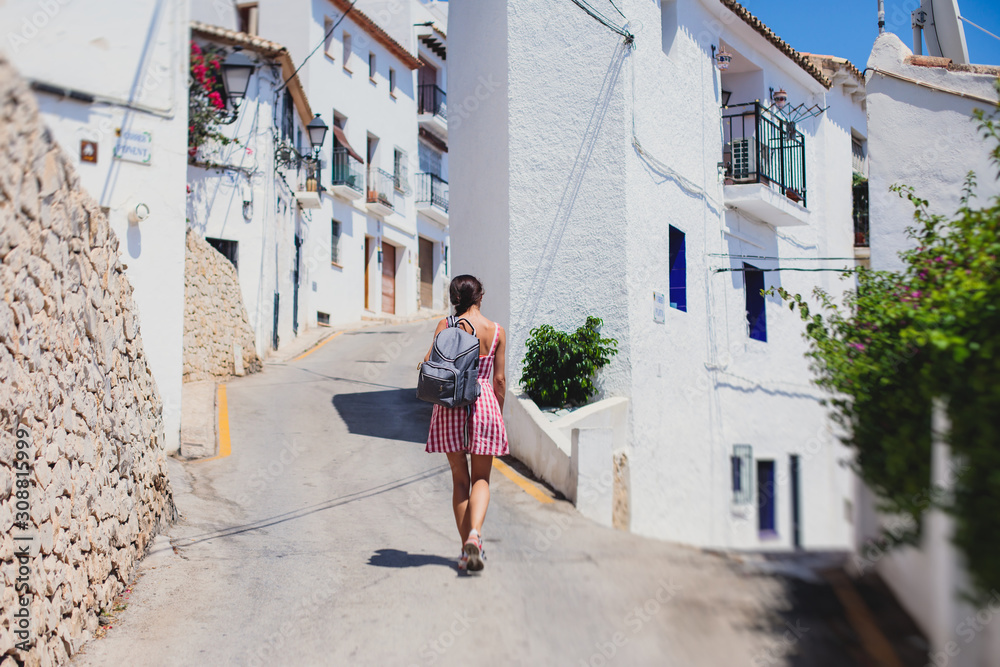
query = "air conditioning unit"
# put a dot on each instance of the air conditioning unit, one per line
(743, 159)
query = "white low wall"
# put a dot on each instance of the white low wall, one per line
(575, 453)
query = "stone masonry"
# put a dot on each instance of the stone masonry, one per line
(218, 340)
(83, 478)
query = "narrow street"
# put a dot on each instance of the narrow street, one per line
(326, 538)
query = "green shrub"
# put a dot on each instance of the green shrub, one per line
(559, 367)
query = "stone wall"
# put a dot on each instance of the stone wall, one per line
(83, 478)
(218, 339)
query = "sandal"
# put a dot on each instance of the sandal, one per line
(474, 550)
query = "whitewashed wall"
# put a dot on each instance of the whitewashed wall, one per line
(134, 55)
(923, 138)
(584, 219)
(339, 290)
(265, 237)
(927, 139)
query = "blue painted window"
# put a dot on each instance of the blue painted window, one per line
(766, 525)
(678, 270)
(753, 279)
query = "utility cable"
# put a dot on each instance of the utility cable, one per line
(980, 27)
(809, 259)
(787, 268)
(601, 18)
(321, 43)
(618, 10)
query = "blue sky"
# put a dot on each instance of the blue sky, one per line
(847, 28)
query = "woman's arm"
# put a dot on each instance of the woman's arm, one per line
(500, 368)
(442, 325)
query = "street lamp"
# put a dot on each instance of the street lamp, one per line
(317, 133)
(236, 71)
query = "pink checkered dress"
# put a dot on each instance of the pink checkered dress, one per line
(488, 435)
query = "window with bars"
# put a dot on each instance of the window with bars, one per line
(859, 156)
(740, 465)
(400, 170)
(287, 116)
(335, 242)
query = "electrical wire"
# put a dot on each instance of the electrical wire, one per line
(601, 18)
(618, 10)
(786, 268)
(321, 43)
(980, 27)
(806, 259)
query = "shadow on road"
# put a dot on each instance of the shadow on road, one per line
(396, 558)
(394, 414)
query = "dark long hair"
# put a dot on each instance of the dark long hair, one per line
(466, 292)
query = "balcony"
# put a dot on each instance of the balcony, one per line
(380, 192)
(432, 197)
(432, 110)
(764, 156)
(348, 179)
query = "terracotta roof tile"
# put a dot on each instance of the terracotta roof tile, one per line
(380, 35)
(783, 46)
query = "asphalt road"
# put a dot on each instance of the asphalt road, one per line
(327, 538)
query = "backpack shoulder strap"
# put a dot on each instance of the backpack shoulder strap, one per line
(458, 321)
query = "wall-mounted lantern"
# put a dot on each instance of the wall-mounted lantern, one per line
(317, 133)
(236, 71)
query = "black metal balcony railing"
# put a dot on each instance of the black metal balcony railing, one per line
(861, 215)
(762, 147)
(431, 189)
(432, 100)
(347, 171)
(380, 186)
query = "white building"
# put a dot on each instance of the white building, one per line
(921, 107)
(112, 88)
(379, 241)
(253, 199)
(593, 176)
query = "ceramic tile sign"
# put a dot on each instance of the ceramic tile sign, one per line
(88, 151)
(134, 146)
(659, 308)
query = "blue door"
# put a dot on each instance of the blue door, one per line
(765, 498)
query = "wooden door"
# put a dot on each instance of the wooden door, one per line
(388, 278)
(426, 273)
(368, 260)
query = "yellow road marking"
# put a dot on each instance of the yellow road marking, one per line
(529, 488)
(861, 619)
(225, 447)
(316, 347)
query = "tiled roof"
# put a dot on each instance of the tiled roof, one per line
(783, 46)
(266, 48)
(380, 35)
(833, 62)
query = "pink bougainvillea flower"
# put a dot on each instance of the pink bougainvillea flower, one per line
(858, 346)
(195, 48)
(915, 294)
(214, 64)
(216, 99)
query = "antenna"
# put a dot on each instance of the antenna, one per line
(938, 22)
(881, 16)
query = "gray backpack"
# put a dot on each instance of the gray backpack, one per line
(451, 376)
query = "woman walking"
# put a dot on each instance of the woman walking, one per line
(481, 435)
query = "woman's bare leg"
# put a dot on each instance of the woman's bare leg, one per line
(479, 498)
(460, 492)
